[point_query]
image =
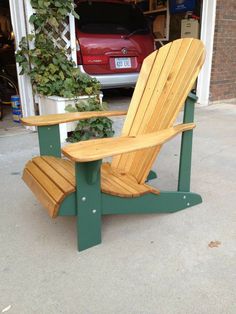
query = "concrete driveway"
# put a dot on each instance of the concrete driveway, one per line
(182, 263)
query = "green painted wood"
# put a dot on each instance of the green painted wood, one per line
(93, 169)
(186, 147)
(166, 202)
(88, 200)
(88, 203)
(152, 175)
(49, 140)
(68, 206)
(192, 96)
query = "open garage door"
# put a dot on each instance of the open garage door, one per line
(20, 12)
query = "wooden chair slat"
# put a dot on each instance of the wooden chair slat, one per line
(110, 186)
(53, 190)
(174, 71)
(50, 172)
(117, 184)
(59, 165)
(41, 193)
(169, 105)
(108, 171)
(114, 188)
(161, 78)
(98, 149)
(69, 166)
(154, 90)
(131, 181)
(140, 102)
(54, 175)
(130, 188)
(138, 92)
(52, 119)
(155, 118)
(186, 79)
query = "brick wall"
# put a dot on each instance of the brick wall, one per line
(223, 76)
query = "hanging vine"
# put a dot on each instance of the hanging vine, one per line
(48, 66)
(52, 72)
(51, 12)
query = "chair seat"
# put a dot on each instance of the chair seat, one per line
(51, 179)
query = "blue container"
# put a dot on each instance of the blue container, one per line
(178, 6)
(16, 114)
(15, 102)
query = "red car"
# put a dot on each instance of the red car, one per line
(113, 38)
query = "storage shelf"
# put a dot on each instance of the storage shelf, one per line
(161, 39)
(159, 19)
(155, 11)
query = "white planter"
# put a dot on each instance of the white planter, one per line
(54, 104)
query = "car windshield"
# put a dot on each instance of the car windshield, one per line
(110, 18)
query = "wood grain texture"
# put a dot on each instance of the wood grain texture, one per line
(53, 190)
(49, 178)
(169, 75)
(61, 166)
(53, 119)
(164, 83)
(50, 181)
(41, 193)
(106, 147)
(122, 184)
(54, 174)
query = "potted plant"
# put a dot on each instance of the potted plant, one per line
(55, 79)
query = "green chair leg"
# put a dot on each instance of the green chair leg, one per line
(186, 147)
(49, 140)
(88, 204)
(152, 175)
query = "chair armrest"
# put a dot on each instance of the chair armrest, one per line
(100, 148)
(53, 119)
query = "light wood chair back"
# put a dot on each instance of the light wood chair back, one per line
(166, 78)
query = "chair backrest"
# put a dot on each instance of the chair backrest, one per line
(165, 80)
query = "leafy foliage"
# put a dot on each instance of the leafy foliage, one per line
(47, 65)
(90, 128)
(50, 70)
(51, 12)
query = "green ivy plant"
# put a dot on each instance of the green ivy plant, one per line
(49, 68)
(51, 13)
(90, 128)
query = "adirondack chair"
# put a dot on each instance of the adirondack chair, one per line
(81, 185)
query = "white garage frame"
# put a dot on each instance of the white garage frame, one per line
(207, 36)
(21, 11)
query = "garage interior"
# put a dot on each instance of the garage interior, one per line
(8, 73)
(168, 20)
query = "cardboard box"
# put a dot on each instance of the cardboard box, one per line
(189, 28)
